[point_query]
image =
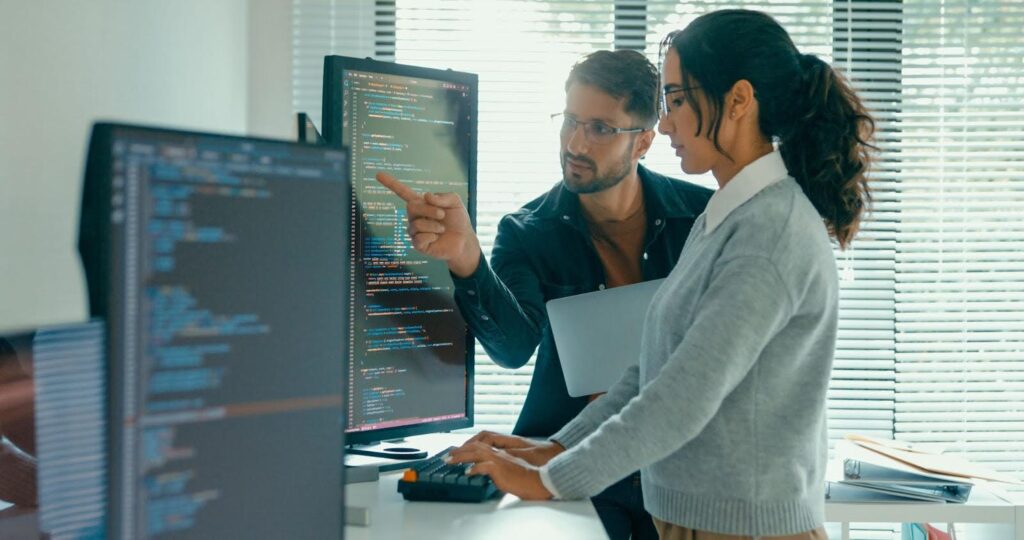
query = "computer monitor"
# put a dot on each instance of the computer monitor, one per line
(411, 366)
(307, 132)
(216, 261)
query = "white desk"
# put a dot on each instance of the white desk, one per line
(392, 517)
(987, 515)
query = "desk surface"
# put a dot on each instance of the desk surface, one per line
(987, 504)
(392, 517)
(989, 514)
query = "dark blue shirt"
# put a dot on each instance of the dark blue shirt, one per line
(544, 251)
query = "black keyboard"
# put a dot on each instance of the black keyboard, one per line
(435, 480)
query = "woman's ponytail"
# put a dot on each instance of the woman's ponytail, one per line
(824, 141)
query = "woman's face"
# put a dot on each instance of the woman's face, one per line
(697, 153)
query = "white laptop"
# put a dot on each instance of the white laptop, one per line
(597, 334)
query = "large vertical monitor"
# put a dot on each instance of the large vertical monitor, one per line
(411, 366)
(220, 265)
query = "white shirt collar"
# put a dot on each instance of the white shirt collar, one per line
(757, 175)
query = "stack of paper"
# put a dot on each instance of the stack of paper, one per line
(875, 470)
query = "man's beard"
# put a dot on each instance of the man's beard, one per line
(601, 180)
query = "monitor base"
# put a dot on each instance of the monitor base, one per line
(390, 452)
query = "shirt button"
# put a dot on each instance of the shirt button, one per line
(485, 317)
(471, 293)
(645, 255)
(657, 221)
(600, 287)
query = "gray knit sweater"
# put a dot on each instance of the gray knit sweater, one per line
(725, 415)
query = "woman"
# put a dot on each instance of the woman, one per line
(725, 414)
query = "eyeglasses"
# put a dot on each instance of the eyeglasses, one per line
(595, 131)
(665, 109)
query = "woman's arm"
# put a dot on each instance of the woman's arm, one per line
(745, 305)
(600, 410)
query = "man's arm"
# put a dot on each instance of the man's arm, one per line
(600, 410)
(503, 304)
(503, 301)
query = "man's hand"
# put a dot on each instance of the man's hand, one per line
(536, 453)
(509, 473)
(439, 226)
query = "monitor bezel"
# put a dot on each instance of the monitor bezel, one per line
(334, 72)
(95, 253)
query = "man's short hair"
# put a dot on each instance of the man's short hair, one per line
(621, 74)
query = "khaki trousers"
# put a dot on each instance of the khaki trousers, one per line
(668, 531)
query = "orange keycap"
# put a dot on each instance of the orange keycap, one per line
(409, 476)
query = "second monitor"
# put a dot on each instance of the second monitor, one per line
(411, 353)
(213, 259)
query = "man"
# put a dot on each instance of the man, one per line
(609, 222)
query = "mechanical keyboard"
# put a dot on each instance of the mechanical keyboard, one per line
(435, 480)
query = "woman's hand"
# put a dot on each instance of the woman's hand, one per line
(535, 453)
(509, 473)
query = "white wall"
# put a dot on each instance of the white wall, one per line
(64, 64)
(270, 69)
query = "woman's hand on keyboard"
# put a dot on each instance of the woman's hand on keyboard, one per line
(509, 473)
(538, 455)
(532, 451)
(497, 440)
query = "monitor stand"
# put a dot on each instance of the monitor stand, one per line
(389, 452)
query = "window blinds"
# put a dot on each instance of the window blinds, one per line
(960, 257)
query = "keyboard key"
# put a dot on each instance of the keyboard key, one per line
(436, 480)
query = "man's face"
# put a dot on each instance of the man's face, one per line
(592, 164)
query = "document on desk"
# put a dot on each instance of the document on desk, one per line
(865, 471)
(841, 492)
(931, 462)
